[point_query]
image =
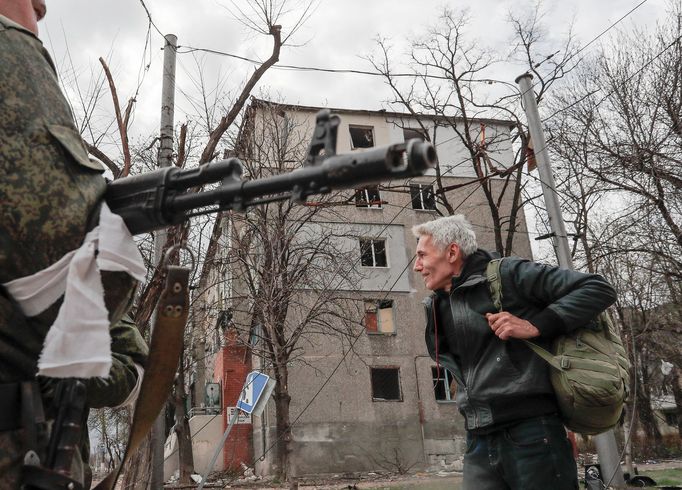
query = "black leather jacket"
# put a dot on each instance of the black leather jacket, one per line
(503, 381)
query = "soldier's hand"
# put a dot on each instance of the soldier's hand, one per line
(507, 326)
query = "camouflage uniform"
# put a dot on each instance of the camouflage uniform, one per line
(127, 349)
(49, 195)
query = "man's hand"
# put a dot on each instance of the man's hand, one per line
(507, 326)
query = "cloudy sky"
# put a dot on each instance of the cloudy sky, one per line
(338, 34)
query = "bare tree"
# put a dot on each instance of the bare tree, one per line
(620, 119)
(450, 71)
(111, 429)
(290, 270)
(616, 137)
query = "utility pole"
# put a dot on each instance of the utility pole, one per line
(607, 449)
(158, 436)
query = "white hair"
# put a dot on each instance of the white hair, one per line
(447, 230)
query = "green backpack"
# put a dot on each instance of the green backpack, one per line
(590, 369)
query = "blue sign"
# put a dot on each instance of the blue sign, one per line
(254, 386)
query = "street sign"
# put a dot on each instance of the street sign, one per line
(257, 388)
(242, 418)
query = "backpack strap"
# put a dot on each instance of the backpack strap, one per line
(546, 355)
(492, 273)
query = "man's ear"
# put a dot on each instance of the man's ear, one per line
(452, 253)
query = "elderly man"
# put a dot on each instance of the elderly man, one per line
(515, 437)
(50, 203)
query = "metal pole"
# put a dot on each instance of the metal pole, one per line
(607, 449)
(556, 222)
(158, 436)
(218, 448)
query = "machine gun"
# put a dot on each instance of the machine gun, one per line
(170, 195)
(55, 471)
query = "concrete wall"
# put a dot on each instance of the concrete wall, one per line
(369, 278)
(206, 432)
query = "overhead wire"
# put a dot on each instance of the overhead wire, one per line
(611, 92)
(184, 49)
(189, 49)
(592, 41)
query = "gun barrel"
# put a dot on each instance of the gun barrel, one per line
(165, 197)
(337, 172)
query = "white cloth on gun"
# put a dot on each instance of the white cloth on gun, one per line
(78, 343)
(135, 393)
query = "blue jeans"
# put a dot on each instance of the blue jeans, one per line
(534, 454)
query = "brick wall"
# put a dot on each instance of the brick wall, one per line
(231, 368)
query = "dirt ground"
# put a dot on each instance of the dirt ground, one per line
(422, 480)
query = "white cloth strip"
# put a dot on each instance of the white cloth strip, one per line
(78, 343)
(132, 397)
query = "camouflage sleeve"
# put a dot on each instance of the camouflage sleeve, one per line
(49, 194)
(128, 348)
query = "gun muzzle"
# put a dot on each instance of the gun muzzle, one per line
(421, 155)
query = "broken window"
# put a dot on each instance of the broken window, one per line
(411, 133)
(379, 317)
(422, 196)
(361, 136)
(373, 252)
(444, 387)
(368, 197)
(385, 384)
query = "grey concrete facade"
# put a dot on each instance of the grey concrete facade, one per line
(340, 427)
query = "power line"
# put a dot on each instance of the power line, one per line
(633, 75)
(191, 49)
(611, 92)
(614, 24)
(355, 71)
(592, 41)
(151, 21)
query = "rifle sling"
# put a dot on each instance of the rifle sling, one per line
(164, 353)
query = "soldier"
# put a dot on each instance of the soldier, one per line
(55, 264)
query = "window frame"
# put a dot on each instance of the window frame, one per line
(446, 377)
(421, 196)
(360, 126)
(368, 203)
(669, 417)
(377, 304)
(398, 380)
(372, 242)
(418, 131)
